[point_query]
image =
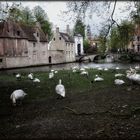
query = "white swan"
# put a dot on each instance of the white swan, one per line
(51, 75)
(30, 76)
(55, 71)
(17, 95)
(137, 67)
(100, 68)
(119, 75)
(82, 69)
(133, 76)
(105, 69)
(18, 76)
(98, 79)
(119, 82)
(36, 80)
(117, 68)
(84, 73)
(60, 89)
(74, 70)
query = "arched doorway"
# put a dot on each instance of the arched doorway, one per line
(50, 59)
(79, 49)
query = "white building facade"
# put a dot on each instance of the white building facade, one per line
(78, 39)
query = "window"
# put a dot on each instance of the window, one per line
(59, 38)
(26, 52)
(138, 38)
(34, 44)
(18, 33)
(0, 60)
(54, 39)
(138, 48)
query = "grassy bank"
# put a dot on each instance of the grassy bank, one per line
(42, 112)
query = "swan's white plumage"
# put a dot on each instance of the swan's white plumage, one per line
(119, 82)
(30, 76)
(84, 73)
(98, 79)
(105, 69)
(100, 68)
(36, 80)
(51, 75)
(119, 75)
(17, 94)
(18, 75)
(60, 89)
(117, 68)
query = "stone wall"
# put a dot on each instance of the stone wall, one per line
(56, 56)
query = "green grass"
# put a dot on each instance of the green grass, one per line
(73, 82)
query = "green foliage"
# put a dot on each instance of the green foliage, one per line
(25, 16)
(135, 14)
(39, 14)
(79, 28)
(102, 44)
(86, 45)
(41, 17)
(121, 36)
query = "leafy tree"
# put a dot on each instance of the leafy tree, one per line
(86, 45)
(135, 14)
(27, 16)
(39, 14)
(121, 35)
(79, 28)
(41, 17)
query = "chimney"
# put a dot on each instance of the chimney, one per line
(68, 30)
(57, 29)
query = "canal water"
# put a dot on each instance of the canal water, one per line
(70, 65)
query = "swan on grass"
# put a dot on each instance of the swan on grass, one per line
(55, 71)
(60, 89)
(16, 95)
(117, 68)
(100, 68)
(119, 82)
(137, 67)
(84, 73)
(119, 75)
(18, 76)
(133, 76)
(30, 76)
(36, 80)
(105, 69)
(51, 75)
(98, 79)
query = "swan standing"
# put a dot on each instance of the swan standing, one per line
(18, 76)
(30, 76)
(18, 94)
(60, 89)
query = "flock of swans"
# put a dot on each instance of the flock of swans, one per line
(131, 74)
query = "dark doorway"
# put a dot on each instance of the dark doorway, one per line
(79, 49)
(138, 48)
(50, 59)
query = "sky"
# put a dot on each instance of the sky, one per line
(54, 11)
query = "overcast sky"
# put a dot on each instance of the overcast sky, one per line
(54, 9)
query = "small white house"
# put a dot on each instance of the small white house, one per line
(78, 39)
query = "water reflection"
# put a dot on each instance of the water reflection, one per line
(70, 65)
